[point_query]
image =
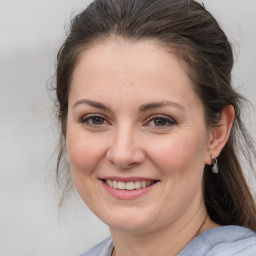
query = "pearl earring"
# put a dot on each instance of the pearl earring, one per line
(215, 168)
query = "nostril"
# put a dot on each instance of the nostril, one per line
(123, 158)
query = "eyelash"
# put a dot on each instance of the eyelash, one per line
(168, 120)
(85, 120)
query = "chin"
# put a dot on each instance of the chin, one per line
(132, 227)
(129, 221)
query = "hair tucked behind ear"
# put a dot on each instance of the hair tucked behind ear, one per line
(190, 31)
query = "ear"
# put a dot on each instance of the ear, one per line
(218, 135)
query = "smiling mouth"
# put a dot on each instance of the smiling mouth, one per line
(130, 185)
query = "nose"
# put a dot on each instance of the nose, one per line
(125, 151)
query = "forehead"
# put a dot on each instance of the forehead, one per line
(120, 68)
(120, 56)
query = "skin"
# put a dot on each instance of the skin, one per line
(127, 142)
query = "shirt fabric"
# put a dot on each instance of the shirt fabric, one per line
(221, 241)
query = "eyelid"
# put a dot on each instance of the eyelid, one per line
(91, 115)
(85, 118)
(160, 116)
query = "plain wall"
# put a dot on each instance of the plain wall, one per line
(31, 31)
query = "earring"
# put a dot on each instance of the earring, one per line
(215, 168)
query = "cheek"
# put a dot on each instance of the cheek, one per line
(181, 163)
(84, 152)
(180, 155)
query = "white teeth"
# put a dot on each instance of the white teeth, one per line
(129, 185)
(137, 184)
(121, 185)
(143, 184)
(114, 184)
(109, 182)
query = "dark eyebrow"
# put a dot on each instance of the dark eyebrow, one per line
(149, 106)
(92, 103)
(142, 108)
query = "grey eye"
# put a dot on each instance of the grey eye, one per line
(93, 120)
(160, 122)
(97, 120)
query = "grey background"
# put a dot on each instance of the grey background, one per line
(31, 31)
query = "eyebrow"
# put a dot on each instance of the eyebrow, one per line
(92, 103)
(142, 108)
(150, 106)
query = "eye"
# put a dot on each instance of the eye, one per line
(93, 121)
(160, 121)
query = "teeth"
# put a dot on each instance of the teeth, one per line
(129, 185)
(109, 182)
(121, 185)
(114, 184)
(143, 184)
(137, 184)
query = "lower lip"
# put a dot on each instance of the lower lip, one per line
(127, 194)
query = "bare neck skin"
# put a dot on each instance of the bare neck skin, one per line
(168, 241)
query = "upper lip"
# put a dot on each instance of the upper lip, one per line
(126, 179)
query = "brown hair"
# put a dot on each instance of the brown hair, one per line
(189, 30)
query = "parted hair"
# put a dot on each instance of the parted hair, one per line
(193, 34)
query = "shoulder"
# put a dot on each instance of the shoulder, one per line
(227, 240)
(103, 248)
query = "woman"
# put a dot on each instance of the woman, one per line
(150, 123)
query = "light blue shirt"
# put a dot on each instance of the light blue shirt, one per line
(222, 241)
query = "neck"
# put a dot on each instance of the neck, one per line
(169, 240)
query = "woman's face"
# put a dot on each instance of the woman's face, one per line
(134, 120)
